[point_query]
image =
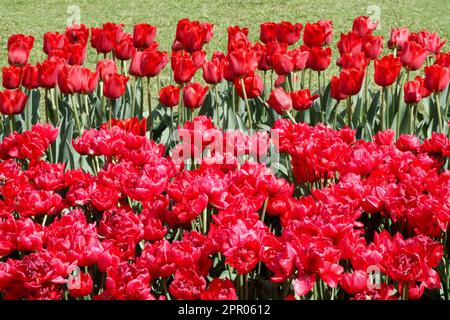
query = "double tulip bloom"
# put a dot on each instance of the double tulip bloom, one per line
(12, 102)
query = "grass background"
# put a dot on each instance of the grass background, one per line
(37, 17)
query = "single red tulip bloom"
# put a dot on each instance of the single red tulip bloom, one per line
(199, 58)
(169, 96)
(288, 33)
(349, 43)
(314, 35)
(192, 35)
(430, 41)
(54, 40)
(114, 85)
(124, 49)
(77, 34)
(364, 26)
(12, 102)
(302, 99)
(241, 62)
(213, 71)
(143, 35)
(282, 63)
(72, 79)
(85, 286)
(351, 81)
(398, 37)
(193, 95)
(253, 86)
(106, 66)
(280, 101)
(104, 39)
(412, 55)
(300, 58)
(387, 70)
(30, 76)
(411, 91)
(350, 61)
(268, 32)
(11, 76)
(327, 26)
(48, 72)
(184, 68)
(77, 54)
(437, 78)
(319, 58)
(153, 62)
(443, 59)
(135, 65)
(372, 46)
(335, 91)
(19, 47)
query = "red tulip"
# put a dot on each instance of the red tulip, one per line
(253, 86)
(114, 85)
(349, 43)
(319, 58)
(372, 46)
(282, 63)
(85, 286)
(169, 96)
(193, 95)
(288, 33)
(12, 102)
(241, 62)
(19, 47)
(11, 76)
(48, 72)
(411, 91)
(314, 35)
(430, 41)
(349, 61)
(213, 71)
(30, 76)
(106, 66)
(153, 62)
(199, 57)
(364, 26)
(327, 27)
(183, 67)
(398, 37)
(143, 35)
(104, 39)
(268, 32)
(302, 99)
(280, 101)
(54, 40)
(72, 79)
(135, 65)
(437, 78)
(387, 70)
(77, 53)
(77, 34)
(335, 91)
(412, 55)
(192, 35)
(351, 81)
(443, 59)
(300, 58)
(124, 49)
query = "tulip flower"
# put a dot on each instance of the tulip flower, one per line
(153, 62)
(335, 91)
(300, 58)
(351, 61)
(314, 35)
(183, 67)
(19, 47)
(124, 49)
(443, 59)
(364, 26)
(387, 70)
(54, 40)
(106, 66)
(253, 86)
(104, 39)
(75, 79)
(241, 62)
(213, 71)
(412, 55)
(268, 32)
(350, 43)
(282, 63)
(30, 77)
(169, 95)
(372, 46)
(351, 81)
(77, 54)
(143, 35)
(193, 95)
(319, 58)
(77, 34)
(288, 33)
(437, 78)
(114, 85)
(12, 102)
(302, 99)
(398, 37)
(48, 72)
(411, 91)
(199, 57)
(192, 35)
(280, 101)
(11, 77)
(430, 41)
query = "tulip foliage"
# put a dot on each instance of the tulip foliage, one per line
(148, 176)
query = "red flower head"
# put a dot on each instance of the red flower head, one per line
(349, 61)
(364, 26)
(430, 41)
(153, 62)
(319, 58)
(220, 289)
(169, 96)
(30, 76)
(315, 34)
(288, 33)
(77, 34)
(335, 91)
(443, 59)
(12, 102)
(437, 78)
(187, 285)
(48, 72)
(115, 85)
(415, 90)
(387, 70)
(76, 53)
(282, 63)
(280, 101)
(302, 99)
(106, 66)
(83, 287)
(241, 62)
(372, 46)
(183, 67)
(124, 49)
(351, 81)
(253, 86)
(412, 55)
(300, 58)
(54, 40)
(11, 76)
(398, 37)
(268, 32)
(350, 43)
(72, 79)
(193, 95)
(19, 47)
(143, 35)
(104, 39)
(213, 71)
(192, 35)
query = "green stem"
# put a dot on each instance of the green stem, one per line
(150, 117)
(133, 97)
(263, 214)
(336, 106)
(322, 109)
(290, 117)
(438, 107)
(382, 110)
(249, 114)
(110, 113)
(75, 114)
(349, 112)
(11, 123)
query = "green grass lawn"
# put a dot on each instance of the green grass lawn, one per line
(37, 17)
